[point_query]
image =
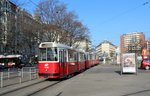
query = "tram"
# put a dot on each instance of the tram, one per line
(9, 61)
(58, 60)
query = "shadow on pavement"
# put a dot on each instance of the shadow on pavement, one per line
(137, 93)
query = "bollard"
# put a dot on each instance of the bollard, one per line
(22, 73)
(8, 73)
(20, 77)
(18, 72)
(36, 73)
(30, 74)
(1, 79)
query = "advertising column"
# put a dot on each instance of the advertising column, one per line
(129, 64)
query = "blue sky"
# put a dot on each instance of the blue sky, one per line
(109, 19)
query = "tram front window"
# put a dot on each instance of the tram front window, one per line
(43, 54)
(48, 54)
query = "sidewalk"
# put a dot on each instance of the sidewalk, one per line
(100, 80)
(105, 80)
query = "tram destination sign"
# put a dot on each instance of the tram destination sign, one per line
(129, 64)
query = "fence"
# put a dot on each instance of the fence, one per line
(15, 75)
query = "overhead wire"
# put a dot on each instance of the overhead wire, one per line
(125, 12)
(36, 5)
(113, 18)
(33, 3)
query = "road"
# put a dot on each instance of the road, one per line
(100, 80)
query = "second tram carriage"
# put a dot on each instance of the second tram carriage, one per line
(58, 60)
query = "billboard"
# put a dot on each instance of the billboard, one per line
(145, 53)
(129, 63)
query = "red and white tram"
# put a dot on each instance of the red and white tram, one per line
(58, 60)
(9, 61)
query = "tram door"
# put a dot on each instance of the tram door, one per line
(62, 56)
(77, 60)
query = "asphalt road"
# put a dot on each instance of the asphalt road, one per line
(100, 80)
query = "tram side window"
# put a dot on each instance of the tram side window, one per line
(65, 56)
(75, 56)
(71, 55)
(82, 57)
(91, 56)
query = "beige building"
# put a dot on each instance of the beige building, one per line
(106, 49)
(83, 45)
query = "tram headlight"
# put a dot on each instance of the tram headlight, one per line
(2, 64)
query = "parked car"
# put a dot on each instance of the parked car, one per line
(145, 64)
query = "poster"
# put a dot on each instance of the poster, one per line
(129, 63)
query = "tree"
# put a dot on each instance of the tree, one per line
(59, 23)
(28, 29)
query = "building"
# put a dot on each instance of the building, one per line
(132, 42)
(8, 14)
(106, 49)
(84, 45)
(18, 30)
(147, 46)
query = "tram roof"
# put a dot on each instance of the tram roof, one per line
(10, 56)
(53, 44)
(79, 50)
(91, 53)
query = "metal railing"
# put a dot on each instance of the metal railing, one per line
(26, 73)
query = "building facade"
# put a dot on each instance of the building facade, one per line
(84, 45)
(132, 42)
(8, 12)
(106, 49)
(18, 30)
(147, 46)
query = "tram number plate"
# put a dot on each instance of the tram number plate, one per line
(46, 66)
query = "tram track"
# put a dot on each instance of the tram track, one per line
(21, 88)
(42, 89)
(30, 89)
